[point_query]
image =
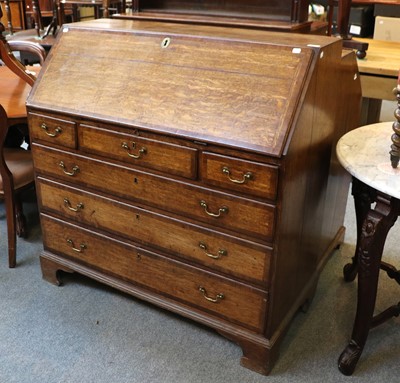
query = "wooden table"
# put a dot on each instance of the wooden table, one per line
(379, 71)
(14, 100)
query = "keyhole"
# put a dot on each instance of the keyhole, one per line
(165, 42)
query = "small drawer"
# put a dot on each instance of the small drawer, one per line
(219, 252)
(135, 150)
(53, 130)
(241, 176)
(223, 297)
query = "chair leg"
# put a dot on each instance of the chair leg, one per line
(20, 219)
(11, 227)
(8, 14)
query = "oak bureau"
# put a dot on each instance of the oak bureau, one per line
(193, 167)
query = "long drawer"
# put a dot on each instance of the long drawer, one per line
(232, 212)
(220, 296)
(243, 259)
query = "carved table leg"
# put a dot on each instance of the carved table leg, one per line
(364, 196)
(374, 230)
(395, 148)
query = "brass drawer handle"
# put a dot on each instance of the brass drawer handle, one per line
(81, 248)
(221, 252)
(57, 131)
(68, 205)
(218, 297)
(75, 169)
(222, 209)
(142, 151)
(246, 176)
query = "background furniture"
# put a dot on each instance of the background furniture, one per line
(13, 14)
(219, 197)
(288, 15)
(102, 8)
(25, 16)
(342, 20)
(385, 2)
(40, 15)
(16, 171)
(378, 77)
(16, 167)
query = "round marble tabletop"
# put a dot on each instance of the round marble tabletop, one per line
(364, 153)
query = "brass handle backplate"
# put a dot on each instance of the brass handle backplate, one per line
(221, 210)
(74, 171)
(81, 248)
(57, 131)
(221, 252)
(218, 297)
(246, 176)
(141, 152)
(68, 205)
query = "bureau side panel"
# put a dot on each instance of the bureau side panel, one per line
(291, 210)
(304, 225)
(347, 118)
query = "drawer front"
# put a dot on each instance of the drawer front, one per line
(225, 298)
(241, 176)
(242, 259)
(53, 130)
(249, 217)
(132, 149)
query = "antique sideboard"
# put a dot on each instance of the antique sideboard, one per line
(194, 167)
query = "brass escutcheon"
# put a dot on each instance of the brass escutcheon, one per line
(165, 42)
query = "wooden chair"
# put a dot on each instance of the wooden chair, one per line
(38, 23)
(102, 8)
(343, 19)
(16, 171)
(16, 168)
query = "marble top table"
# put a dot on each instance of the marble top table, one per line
(364, 153)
